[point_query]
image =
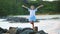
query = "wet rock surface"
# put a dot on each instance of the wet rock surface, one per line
(3, 30)
(18, 19)
(14, 30)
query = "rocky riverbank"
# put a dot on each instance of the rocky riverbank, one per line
(15, 30)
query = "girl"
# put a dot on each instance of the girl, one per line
(32, 11)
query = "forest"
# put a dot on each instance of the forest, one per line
(14, 7)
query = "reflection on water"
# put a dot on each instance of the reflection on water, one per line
(48, 23)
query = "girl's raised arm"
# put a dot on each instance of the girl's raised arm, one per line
(24, 6)
(39, 6)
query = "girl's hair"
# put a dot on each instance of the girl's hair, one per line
(31, 5)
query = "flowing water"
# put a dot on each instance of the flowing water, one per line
(48, 23)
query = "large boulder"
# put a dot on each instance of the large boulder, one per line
(3, 30)
(42, 32)
(18, 19)
(27, 32)
(24, 31)
(12, 30)
(5, 33)
(19, 30)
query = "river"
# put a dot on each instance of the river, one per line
(51, 26)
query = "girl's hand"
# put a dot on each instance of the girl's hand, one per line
(23, 6)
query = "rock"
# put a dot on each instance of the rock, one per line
(12, 30)
(27, 29)
(5, 33)
(18, 19)
(27, 32)
(19, 30)
(23, 30)
(3, 30)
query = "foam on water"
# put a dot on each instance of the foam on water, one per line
(49, 26)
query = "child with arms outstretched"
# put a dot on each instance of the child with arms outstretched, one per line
(32, 11)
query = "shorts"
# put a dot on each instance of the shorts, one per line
(32, 18)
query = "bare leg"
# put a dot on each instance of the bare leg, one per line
(32, 24)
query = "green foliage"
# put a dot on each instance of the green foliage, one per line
(14, 7)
